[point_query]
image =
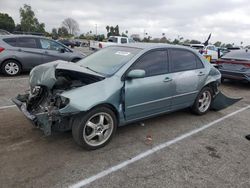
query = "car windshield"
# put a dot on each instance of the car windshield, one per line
(238, 55)
(108, 60)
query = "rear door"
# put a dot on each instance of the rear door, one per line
(188, 74)
(28, 52)
(152, 94)
(53, 51)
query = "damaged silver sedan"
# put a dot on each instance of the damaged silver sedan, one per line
(116, 86)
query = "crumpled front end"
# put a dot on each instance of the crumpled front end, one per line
(43, 103)
(42, 108)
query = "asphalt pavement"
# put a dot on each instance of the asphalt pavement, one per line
(215, 156)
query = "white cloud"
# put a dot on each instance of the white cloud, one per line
(227, 20)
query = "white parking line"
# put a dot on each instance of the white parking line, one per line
(5, 107)
(10, 79)
(152, 151)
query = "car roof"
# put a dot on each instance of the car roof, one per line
(18, 36)
(146, 46)
(238, 55)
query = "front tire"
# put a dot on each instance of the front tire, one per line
(94, 129)
(11, 68)
(203, 101)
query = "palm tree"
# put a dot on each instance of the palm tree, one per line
(107, 27)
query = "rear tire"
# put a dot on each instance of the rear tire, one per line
(203, 101)
(11, 67)
(94, 129)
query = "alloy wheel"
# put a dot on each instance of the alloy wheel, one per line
(98, 129)
(205, 101)
(11, 68)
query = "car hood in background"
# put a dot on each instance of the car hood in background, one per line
(45, 74)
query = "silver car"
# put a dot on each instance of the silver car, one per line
(23, 52)
(116, 86)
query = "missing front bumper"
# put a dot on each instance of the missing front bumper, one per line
(42, 120)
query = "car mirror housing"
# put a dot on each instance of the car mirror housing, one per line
(136, 73)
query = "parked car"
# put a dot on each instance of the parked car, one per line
(210, 50)
(67, 42)
(116, 86)
(23, 52)
(112, 40)
(4, 32)
(77, 43)
(235, 65)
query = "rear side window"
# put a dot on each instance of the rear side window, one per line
(27, 42)
(154, 63)
(11, 41)
(123, 40)
(182, 60)
(112, 39)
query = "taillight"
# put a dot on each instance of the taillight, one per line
(100, 45)
(1, 49)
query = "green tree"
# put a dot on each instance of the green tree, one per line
(71, 25)
(117, 33)
(82, 36)
(176, 41)
(187, 41)
(29, 23)
(107, 28)
(6, 22)
(218, 44)
(229, 45)
(164, 40)
(195, 42)
(54, 34)
(63, 32)
(124, 35)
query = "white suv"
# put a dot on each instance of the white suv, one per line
(210, 50)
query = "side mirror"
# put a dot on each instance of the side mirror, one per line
(62, 50)
(136, 73)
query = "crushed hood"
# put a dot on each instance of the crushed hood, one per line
(45, 74)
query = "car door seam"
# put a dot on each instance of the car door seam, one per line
(158, 100)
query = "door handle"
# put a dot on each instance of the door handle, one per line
(19, 49)
(167, 79)
(46, 52)
(201, 74)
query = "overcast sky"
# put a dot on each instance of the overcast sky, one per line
(227, 20)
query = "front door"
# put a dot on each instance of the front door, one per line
(149, 95)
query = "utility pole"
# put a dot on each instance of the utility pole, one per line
(96, 29)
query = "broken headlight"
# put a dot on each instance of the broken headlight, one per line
(35, 90)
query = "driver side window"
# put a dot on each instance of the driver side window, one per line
(50, 45)
(154, 63)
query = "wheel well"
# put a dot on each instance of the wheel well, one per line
(111, 107)
(213, 86)
(12, 59)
